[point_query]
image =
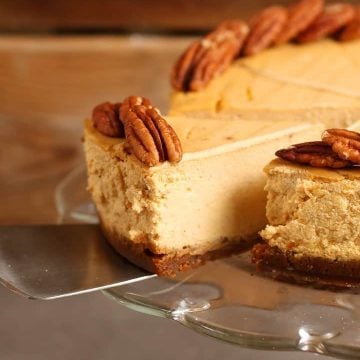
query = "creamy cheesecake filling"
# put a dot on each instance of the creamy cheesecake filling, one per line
(313, 212)
(213, 197)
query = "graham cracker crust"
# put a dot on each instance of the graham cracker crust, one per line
(264, 255)
(168, 265)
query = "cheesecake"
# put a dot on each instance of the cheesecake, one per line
(299, 82)
(209, 203)
(313, 212)
(173, 192)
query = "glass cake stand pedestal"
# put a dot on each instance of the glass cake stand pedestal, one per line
(229, 300)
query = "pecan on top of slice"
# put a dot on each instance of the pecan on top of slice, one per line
(132, 101)
(265, 28)
(300, 16)
(334, 17)
(105, 118)
(206, 58)
(315, 153)
(150, 138)
(352, 30)
(345, 143)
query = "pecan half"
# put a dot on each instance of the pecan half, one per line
(105, 118)
(352, 30)
(150, 138)
(315, 153)
(334, 17)
(265, 29)
(300, 16)
(209, 57)
(345, 143)
(132, 101)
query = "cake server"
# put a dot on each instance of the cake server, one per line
(53, 261)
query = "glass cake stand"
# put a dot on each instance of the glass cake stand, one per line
(229, 300)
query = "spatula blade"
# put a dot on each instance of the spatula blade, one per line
(53, 261)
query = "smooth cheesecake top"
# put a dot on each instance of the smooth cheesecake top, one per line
(199, 135)
(313, 65)
(323, 174)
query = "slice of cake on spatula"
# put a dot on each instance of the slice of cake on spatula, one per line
(173, 192)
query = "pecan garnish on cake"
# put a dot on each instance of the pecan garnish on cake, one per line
(265, 29)
(344, 142)
(210, 56)
(337, 149)
(352, 30)
(148, 135)
(106, 119)
(315, 153)
(132, 101)
(300, 16)
(334, 17)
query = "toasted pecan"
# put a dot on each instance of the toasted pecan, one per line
(315, 153)
(334, 17)
(105, 118)
(206, 58)
(352, 30)
(150, 138)
(300, 16)
(265, 28)
(132, 101)
(344, 142)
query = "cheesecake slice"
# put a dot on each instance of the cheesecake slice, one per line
(314, 217)
(300, 82)
(173, 216)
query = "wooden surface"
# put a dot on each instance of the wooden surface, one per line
(19, 15)
(48, 86)
(116, 15)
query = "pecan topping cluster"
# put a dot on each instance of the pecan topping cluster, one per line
(209, 56)
(339, 148)
(148, 136)
(303, 22)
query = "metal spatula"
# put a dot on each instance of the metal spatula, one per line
(53, 261)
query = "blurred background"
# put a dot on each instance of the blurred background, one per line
(58, 59)
(122, 15)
